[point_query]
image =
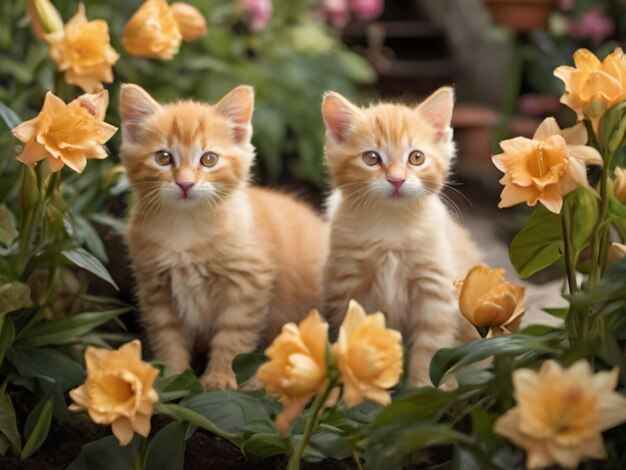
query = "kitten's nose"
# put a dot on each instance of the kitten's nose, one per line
(395, 182)
(185, 185)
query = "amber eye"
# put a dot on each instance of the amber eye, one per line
(163, 158)
(371, 158)
(416, 157)
(208, 159)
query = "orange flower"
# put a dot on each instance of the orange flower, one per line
(488, 301)
(44, 17)
(83, 51)
(296, 370)
(592, 86)
(190, 21)
(369, 356)
(66, 134)
(546, 167)
(152, 31)
(119, 390)
(561, 413)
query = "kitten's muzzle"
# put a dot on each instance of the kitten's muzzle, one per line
(185, 186)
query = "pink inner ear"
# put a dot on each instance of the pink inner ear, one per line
(337, 118)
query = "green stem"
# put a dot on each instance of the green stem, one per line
(570, 263)
(356, 459)
(311, 424)
(141, 454)
(600, 234)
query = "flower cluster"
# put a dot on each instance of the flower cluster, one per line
(338, 12)
(367, 356)
(118, 391)
(82, 48)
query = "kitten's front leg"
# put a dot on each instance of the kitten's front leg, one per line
(342, 281)
(163, 326)
(432, 325)
(239, 329)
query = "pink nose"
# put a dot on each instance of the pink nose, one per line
(395, 182)
(185, 185)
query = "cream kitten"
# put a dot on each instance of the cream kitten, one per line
(216, 261)
(394, 247)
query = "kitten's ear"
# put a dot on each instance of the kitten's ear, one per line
(237, 106)
(339, 116)
(136, 105)
(437, 109)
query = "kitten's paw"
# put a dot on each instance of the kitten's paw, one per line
(219, 381)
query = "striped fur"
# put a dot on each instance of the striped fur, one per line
(396, 253)
(228, 267)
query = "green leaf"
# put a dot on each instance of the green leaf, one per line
(8, 423)
(264, 445)
(8, 232)
(14, 296)
(233, 411)
(10, 117)
(180, 413)
(66, 330)
(83, 259)
(583, 206)
(166, 450)
(86, 233)
(7, 335)
(32, 362)
(447, 359)
(43, 417)
(539, 244)
(178, 386)
(245, 365)
(107, 454)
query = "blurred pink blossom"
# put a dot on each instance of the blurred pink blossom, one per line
(258, 12)
(337, 12)
(566, 5)
(594, 25)
(367, 9)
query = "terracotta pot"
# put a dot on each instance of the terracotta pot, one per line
(521, 15)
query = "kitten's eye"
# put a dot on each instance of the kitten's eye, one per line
(371, 158)
(416, 157)
(208, 159)
(163, 158)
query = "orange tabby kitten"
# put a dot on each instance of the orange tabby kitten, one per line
(216, 261)
(394, 247)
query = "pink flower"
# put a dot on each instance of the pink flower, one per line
(258, 13)
(367, 9)
(594, 25)
(337, 12)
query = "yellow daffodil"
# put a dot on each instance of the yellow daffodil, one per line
(44, 17)
(620, 185)
(118, 390)
(368, 355)
(487, 300)
(593, 86)
(616, 252)
(66, 134)
(190, 21)
(561, 413)
(83, 51)
(152, 31)
(546, 167)
(296, 370)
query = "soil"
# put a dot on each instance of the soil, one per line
(203, 451)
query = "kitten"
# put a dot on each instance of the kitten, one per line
(394, 247)
(217, 262)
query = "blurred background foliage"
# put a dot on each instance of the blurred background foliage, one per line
(290, 63)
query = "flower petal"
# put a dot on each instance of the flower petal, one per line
(547, 129)
(123, 430)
